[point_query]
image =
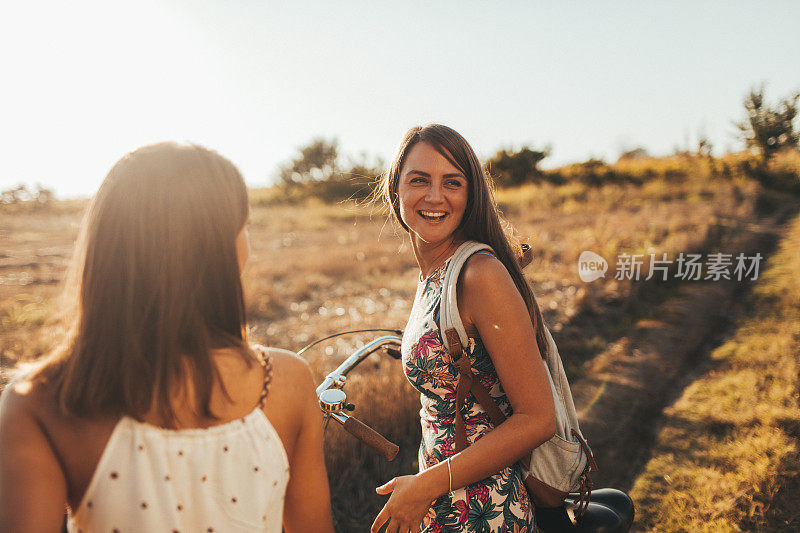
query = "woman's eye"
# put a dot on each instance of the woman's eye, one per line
(417, 180)
(453, 184)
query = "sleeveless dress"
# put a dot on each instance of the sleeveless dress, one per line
(498, 503)
(226, 478)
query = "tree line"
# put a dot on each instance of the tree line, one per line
(318, 170)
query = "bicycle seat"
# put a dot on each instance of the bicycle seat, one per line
(609, 511)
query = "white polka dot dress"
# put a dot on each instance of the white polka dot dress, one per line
(227, 478)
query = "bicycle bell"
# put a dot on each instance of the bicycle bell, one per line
(332, 400)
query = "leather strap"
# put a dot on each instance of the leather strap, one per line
(527, 256)
(463, 386)
(592, 464)
(586, 483)
(487, 402)
(468, 383)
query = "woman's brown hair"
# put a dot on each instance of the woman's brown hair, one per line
(157, 284)
(482, 221)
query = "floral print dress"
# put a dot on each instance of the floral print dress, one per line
(498, 503)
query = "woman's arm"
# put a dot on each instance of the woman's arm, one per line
(307, 506)
(33, 488)
(490, 301)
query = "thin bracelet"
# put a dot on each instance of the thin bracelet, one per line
(449, 477)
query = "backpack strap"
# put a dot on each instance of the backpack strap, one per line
(448, 306)
(527, 256)
(455, 338)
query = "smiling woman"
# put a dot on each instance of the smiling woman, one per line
(439, 193)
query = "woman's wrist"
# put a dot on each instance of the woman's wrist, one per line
(435, 481)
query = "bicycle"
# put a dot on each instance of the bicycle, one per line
(608, 506)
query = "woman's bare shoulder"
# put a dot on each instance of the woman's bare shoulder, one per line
(289, 371)
(23, 396)
(15, 400)
(484, 273)
(23, 406)
(484, 284)
(292, 402)
(286, 360)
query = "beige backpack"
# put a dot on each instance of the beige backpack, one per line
(556, 467)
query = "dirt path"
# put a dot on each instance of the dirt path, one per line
(625, 388)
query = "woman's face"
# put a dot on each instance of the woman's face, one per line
(432, 194)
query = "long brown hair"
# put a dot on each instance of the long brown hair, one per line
(157, 284)
(482, 221)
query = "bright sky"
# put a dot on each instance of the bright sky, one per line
(85, 82)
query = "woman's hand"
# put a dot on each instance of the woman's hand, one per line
(407, 506)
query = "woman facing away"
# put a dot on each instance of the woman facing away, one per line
(439, 193)
(155, 414)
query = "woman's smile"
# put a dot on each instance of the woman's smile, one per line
(433, 216)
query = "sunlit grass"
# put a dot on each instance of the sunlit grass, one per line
(23, 312)
(731, 440)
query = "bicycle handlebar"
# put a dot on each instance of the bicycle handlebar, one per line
(332, 379)
(336, 380)
(370, 437)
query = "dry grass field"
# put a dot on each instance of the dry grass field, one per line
(319, 268)
(727, 456)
